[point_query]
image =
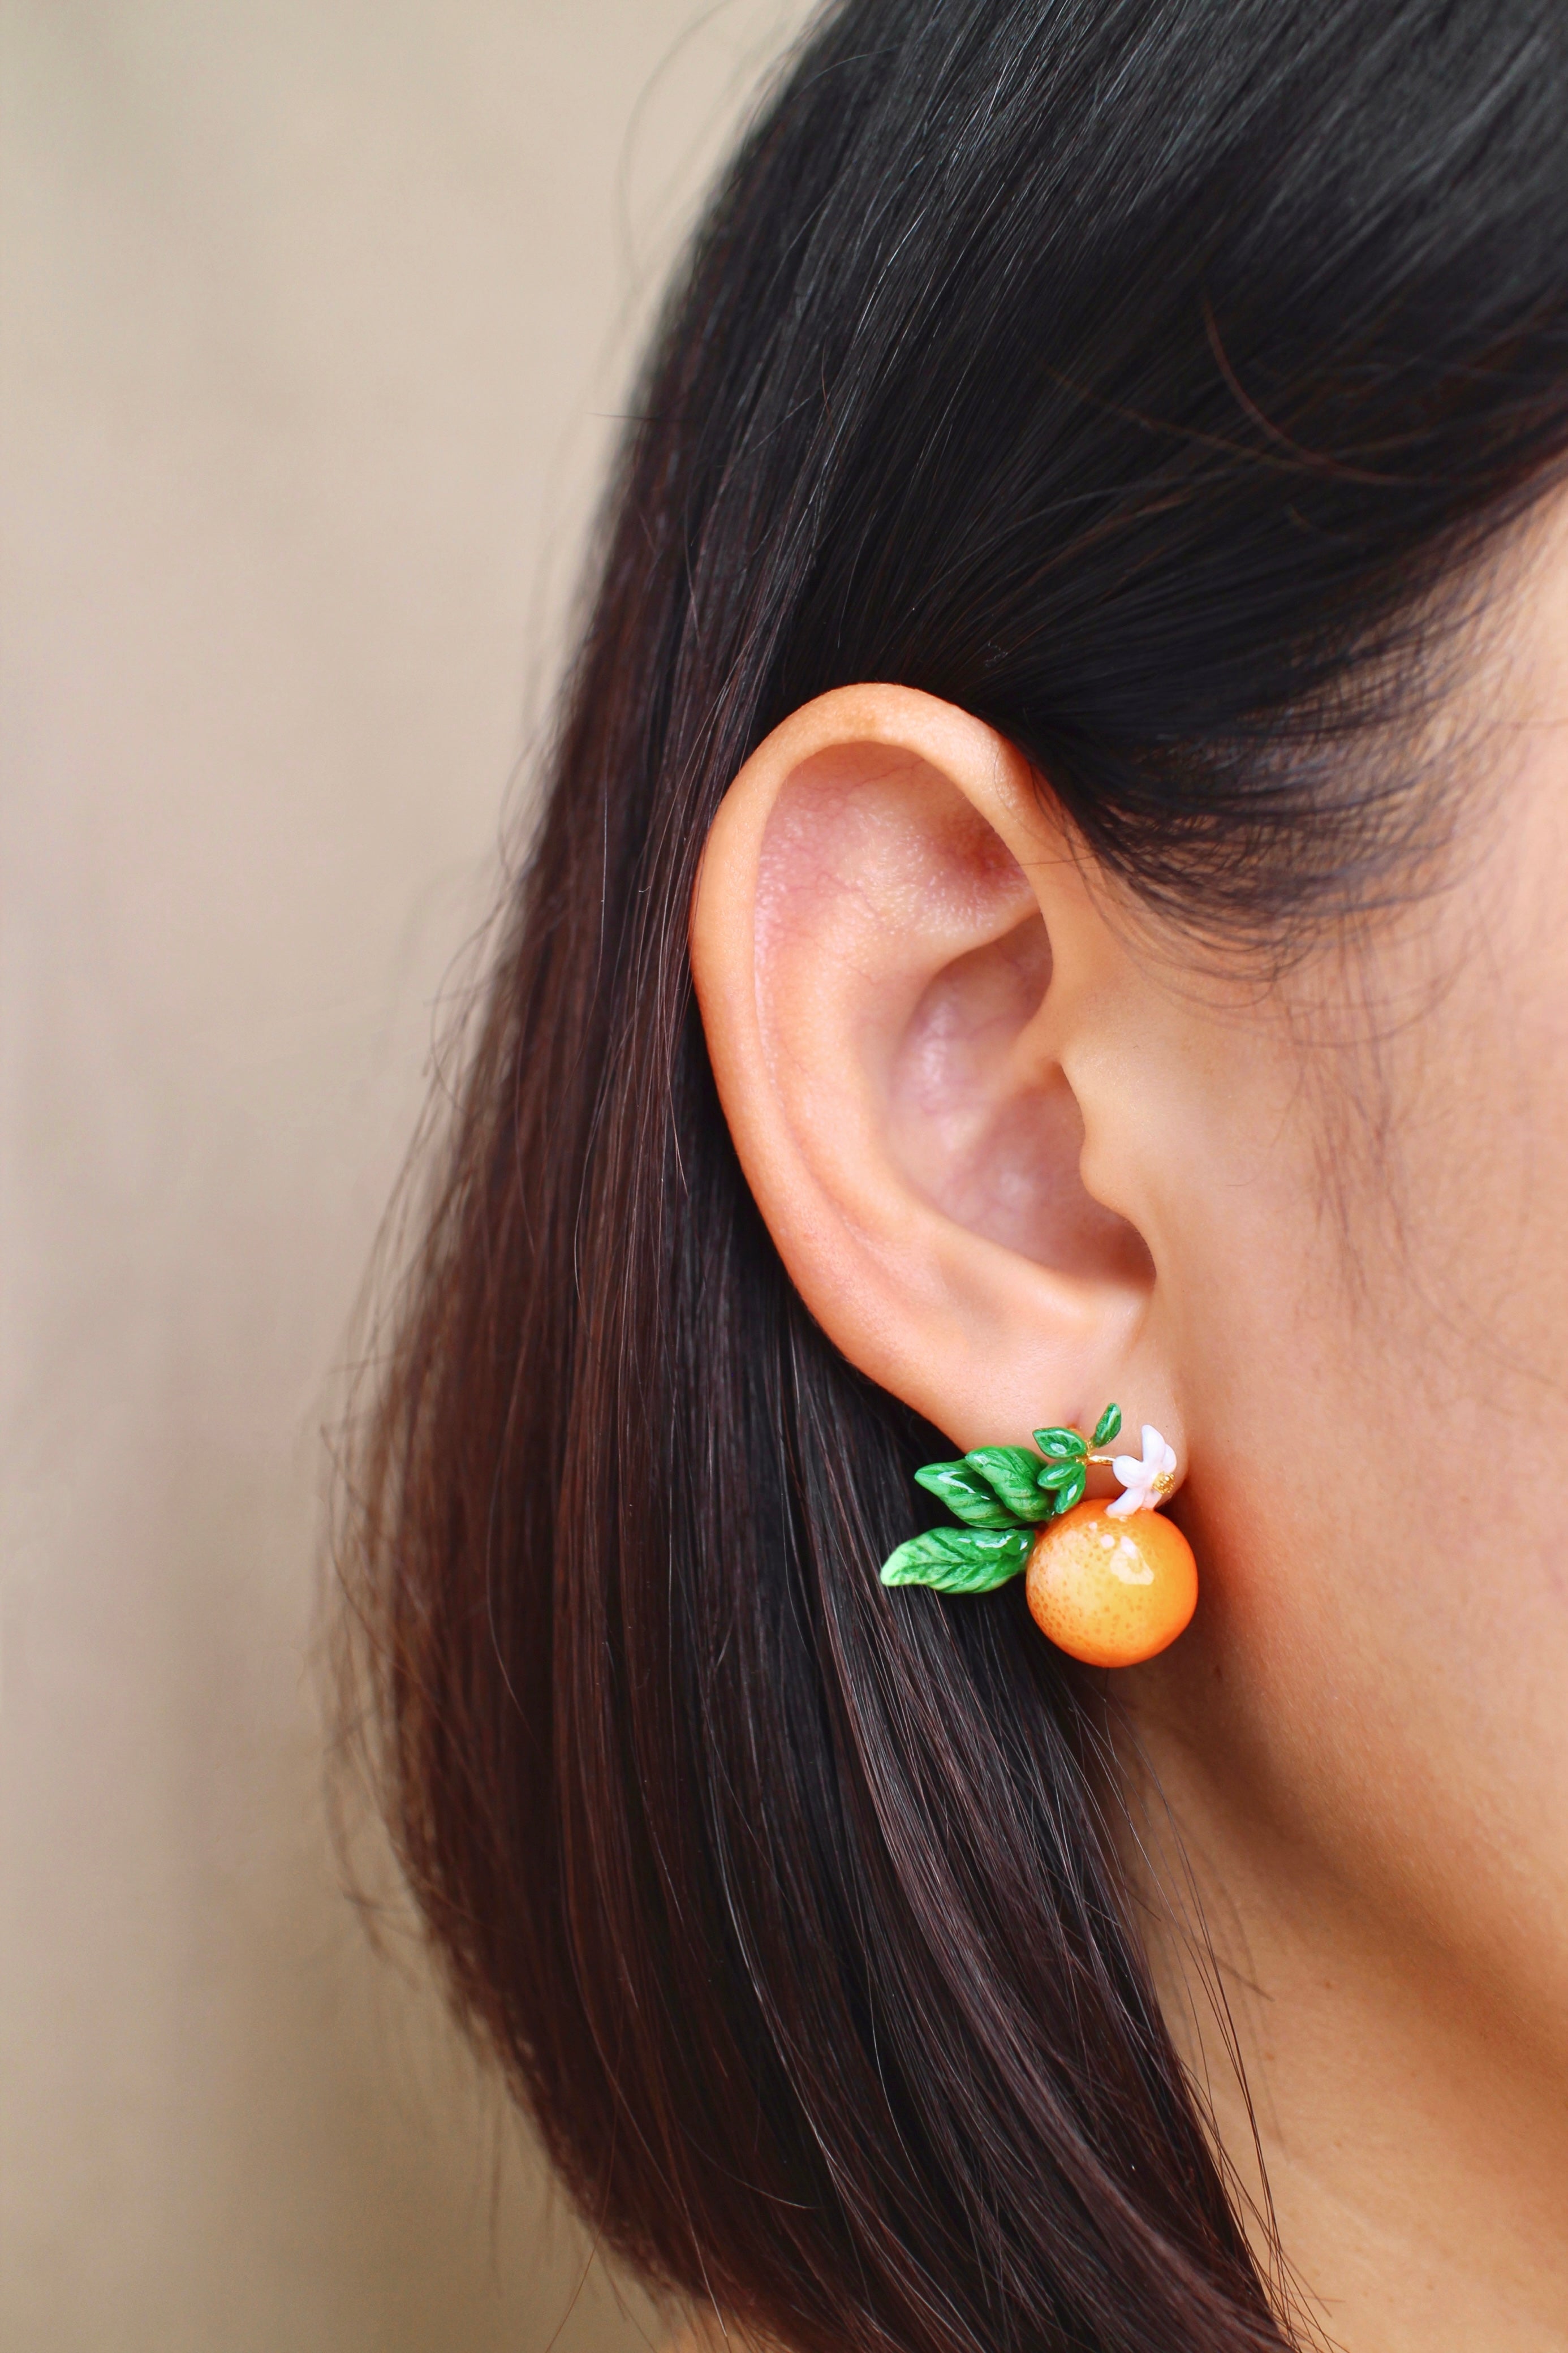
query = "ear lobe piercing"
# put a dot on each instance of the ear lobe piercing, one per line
(1109, 1583)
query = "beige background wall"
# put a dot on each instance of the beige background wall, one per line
(314, 311)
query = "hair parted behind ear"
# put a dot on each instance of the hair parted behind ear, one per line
(1121, 375)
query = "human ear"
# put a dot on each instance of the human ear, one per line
(899, 959)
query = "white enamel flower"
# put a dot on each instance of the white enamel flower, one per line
(1145, 1482)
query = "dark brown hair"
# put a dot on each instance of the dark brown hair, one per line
(1125, 374)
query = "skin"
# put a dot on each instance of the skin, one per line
(1022, 1148)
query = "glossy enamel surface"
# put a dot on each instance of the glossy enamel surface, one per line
(1112, 1591)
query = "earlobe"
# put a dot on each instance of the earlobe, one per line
(884, 937)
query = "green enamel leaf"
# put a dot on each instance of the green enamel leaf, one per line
(967, 1495)
(1071, 1491)
(1109, 1426)
(1058, 1474)
(960, 1560)
(1061, 1445)
(1014, 1473)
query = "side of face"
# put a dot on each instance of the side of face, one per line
(1370, 1283)
(1021, 1151)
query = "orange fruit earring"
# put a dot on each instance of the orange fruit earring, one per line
(1110, 1583)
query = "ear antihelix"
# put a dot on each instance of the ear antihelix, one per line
(1109, 1583)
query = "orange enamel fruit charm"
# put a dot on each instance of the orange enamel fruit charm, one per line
(1109, 1583)
(1110, 1591)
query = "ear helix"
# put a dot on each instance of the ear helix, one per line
(1109, 1583)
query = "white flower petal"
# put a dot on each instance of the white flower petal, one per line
(1142, 1478)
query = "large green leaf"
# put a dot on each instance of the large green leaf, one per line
(1013, 1471)
(1109, 1426)
(960, 1560)
(967, 1495)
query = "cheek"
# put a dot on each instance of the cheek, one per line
(1376, 1350)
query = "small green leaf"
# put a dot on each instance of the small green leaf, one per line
(1071, 1490)
(1061, 1445)
(1109, 1426)
(1013, 1472)
(966, 1494)
(960, 1560)
(1058, 1474)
